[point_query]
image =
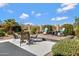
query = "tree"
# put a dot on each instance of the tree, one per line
(69, 30)
(50, 27)
(76, 21)
(16, 28)
(76, 26)
(8, 24)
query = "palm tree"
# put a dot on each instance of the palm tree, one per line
(9, 23)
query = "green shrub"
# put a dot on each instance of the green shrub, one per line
(50, 27)
(66, 47)
(69, 30)
(16, 28)
(2, 33)
(77, 31)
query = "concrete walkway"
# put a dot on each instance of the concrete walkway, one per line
(38, 48)
(9, 49)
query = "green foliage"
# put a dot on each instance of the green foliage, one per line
(2, 32)
(16, 28)
(69, 30)
(77, 31)
(76, 26)
(8, 24)
(76, 21)
(49, 27)
(66, 47)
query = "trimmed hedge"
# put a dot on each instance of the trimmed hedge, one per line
(67, 47)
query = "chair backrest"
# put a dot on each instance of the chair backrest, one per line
(25, 36)
(36, 35)
(15, 35)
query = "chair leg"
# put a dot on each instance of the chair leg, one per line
(28, 43)
(20, 43)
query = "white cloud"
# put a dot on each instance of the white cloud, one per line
(66, 6)
(10, 11)
(3, 4)
(59, 18)
(24, 16)
(28, 23)
(38, 14)
(33, 12)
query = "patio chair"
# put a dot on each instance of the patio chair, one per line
(34, 36)
(25, 36)
(15, 35)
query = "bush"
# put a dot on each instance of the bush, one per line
(16, 28)
(69, 30)
(50, 28)
(77, 31)
(66, 48)
(2, 33)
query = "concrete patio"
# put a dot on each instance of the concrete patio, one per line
(38, 48)
(9, 49)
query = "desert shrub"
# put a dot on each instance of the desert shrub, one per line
(66, 47)
(2, 33)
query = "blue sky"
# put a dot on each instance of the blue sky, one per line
(40, 13)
